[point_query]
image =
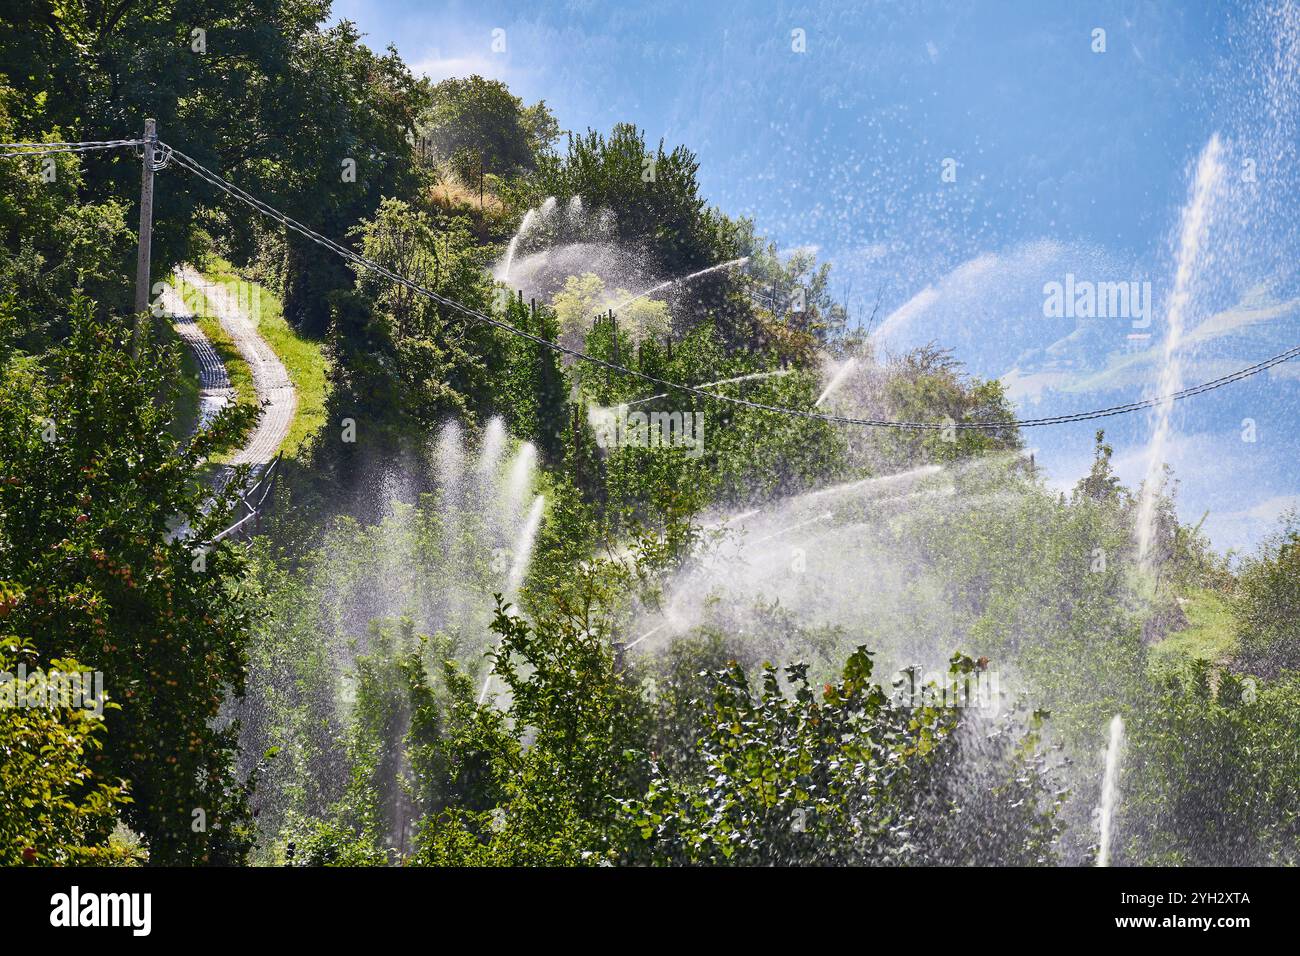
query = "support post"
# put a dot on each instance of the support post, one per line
(577, 449)
(145, 248)
(613, 335)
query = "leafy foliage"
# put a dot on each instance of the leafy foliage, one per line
(584, 726)
(53, 245)
(94, 486)
(653, 195)
(1266, 605)
(1191, 751)
(851, 779)
(479, 125)
(54, 811)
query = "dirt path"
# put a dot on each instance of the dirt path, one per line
(275, 390)
(214, 383)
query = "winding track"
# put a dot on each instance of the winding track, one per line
(214, 383)
(275, 391)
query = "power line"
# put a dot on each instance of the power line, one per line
(45, 149)
(193, 166)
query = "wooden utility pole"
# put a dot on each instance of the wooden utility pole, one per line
(146, 228)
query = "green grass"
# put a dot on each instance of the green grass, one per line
(182, 394)
(240, 375)
(304, 358)
(1209, 634)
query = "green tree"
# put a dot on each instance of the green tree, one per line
(1266, 605)
(584, 298)
(535, 389)
(854, 778)
(54, 810)
(653, 196)
(585, 726)
(52, 244)
(403, 362)
(1210, 773)
(341, 119)
(479, 125)
(258, 90)
(792, 298)
(95, 488)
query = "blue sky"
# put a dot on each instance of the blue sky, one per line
(883, 94)
(1067, 160)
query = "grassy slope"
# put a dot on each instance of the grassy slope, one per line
(241, 377)
(182, 394)
(304, 358)
(1209, 634)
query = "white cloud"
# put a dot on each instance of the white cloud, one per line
(438, 67)
(1242, 529)
(1268, 510)
(807, 249)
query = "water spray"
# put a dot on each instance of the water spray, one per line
(515, 579)
(682, 281)
(836, 380)
(1110, 789)
(1192, 235)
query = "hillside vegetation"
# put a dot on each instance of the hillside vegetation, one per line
(476, 629)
